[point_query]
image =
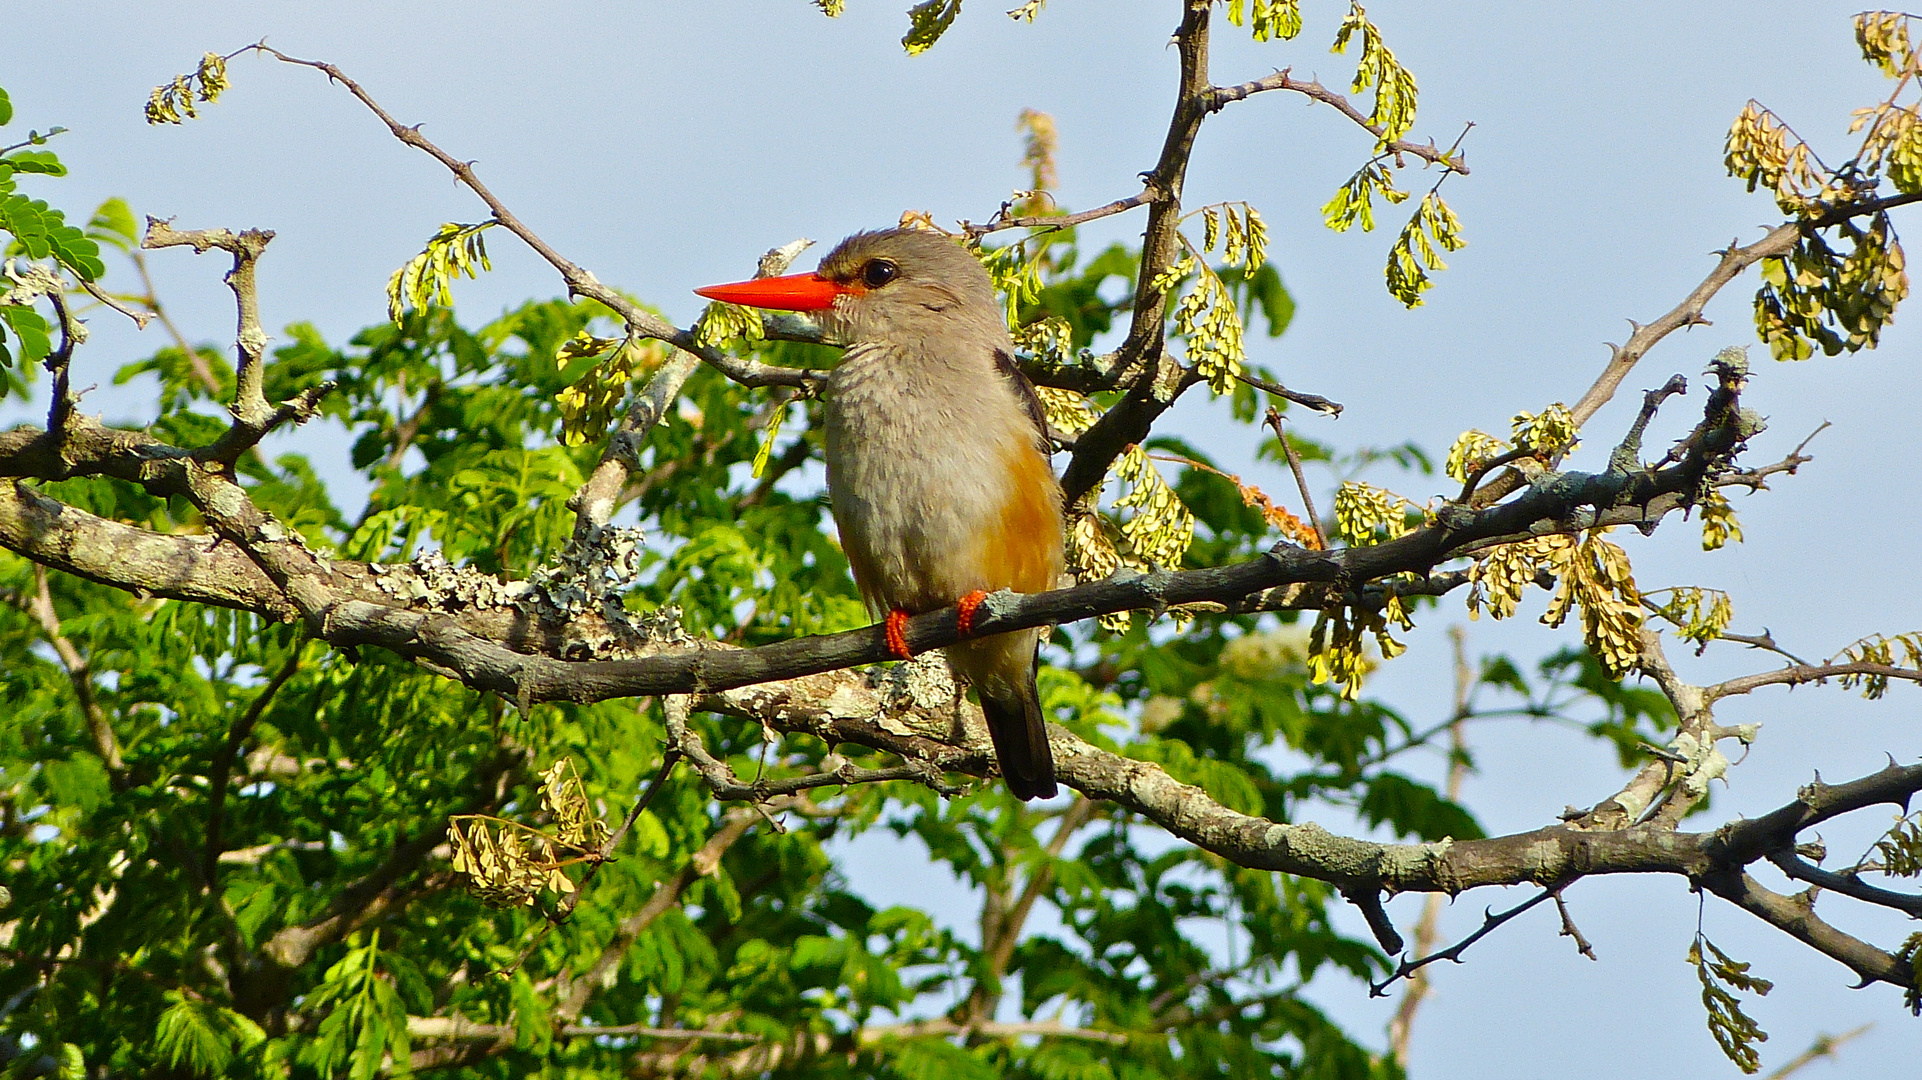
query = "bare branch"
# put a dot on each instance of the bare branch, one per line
(1732, 262)
(1159, 381)
(1220, 96)
(1052, 222)
(1301, 480)
(1824, 1046)
(1795, 916)
(1847, 884)
(1314, 401)
(1490, 920)
(597, 499)
(140, 318)
(253, 417)
(1798, 674)
(1401, 1025)
(579, 281)
(1570, 930)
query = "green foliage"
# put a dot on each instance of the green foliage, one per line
(1276, 19)
(927, 21)
(1354, 202)
(1734, 1031)
(428, 278)
(1415, 253)
(204, 1038)
(1394, 86)
(1901, 848)
(1821, 294)
(1911, 954)
(35, 230)
(1901, 649)
(353, 760)
(177, 101)
(225, 841)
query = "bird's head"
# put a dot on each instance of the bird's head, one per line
(895, 286)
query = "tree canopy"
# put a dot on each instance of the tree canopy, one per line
(546, 757)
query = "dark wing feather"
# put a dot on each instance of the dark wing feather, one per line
(1024, 390)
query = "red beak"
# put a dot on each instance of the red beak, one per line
(795, 292)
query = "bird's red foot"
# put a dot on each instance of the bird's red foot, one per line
(897, 634)
(967, 604)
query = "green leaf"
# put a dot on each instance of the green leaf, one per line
(45, 162)
(80, 781)
(34, 336)
(202, 1037)
(927, 21)
(937, 1059)
(113, 223)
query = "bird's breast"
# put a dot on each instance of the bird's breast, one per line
(937, 483)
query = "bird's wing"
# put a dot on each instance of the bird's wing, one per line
(1024, 390)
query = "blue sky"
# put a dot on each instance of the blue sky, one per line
(665, 146)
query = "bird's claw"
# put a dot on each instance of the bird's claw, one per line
(897, 634)
(966, 607)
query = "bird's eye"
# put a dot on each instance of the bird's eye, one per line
(878, 273)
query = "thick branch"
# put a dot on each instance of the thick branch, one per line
(1156, 386)
(597, 499)
(1795, 916)
(253, 417)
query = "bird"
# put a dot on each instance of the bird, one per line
(938, 460)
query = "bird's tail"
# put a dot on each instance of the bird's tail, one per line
(1001, 669)
(1021, 741)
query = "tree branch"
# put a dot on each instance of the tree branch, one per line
(1052, 222)
(1846, 884)
(1220, 96)
(640, 322)
(1159, 381)
(221, 769)
(79, 674)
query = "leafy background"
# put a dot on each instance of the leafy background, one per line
(1598, 189)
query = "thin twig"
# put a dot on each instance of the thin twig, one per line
(80, 675)
(1490, 920)
(1301, 480)
(1313, 401)
(1765, 641)
(1220, 96)
(1847, 884)
(221, 770)
(1570, 930)
(140, 318)
(579, 281)
(1824, 1046)
(1427, 930)
(1052, 222)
